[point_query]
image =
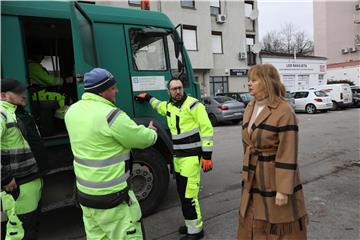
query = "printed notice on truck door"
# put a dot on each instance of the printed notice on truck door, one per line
(148, 83)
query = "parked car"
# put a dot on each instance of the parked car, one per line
(311, 101)
(356, 95)
(243, 97)
(222, 108)
(340, 94)
(290, 99)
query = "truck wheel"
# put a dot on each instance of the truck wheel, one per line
(149, 178)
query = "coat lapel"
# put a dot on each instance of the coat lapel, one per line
(264, 114)
(247, 115)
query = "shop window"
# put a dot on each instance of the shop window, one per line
(219, 85)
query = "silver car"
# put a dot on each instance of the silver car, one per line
(222, 108)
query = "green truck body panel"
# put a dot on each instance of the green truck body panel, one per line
(96, 36)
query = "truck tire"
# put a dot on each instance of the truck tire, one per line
(149, 178)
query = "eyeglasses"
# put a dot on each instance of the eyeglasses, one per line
(176, 89)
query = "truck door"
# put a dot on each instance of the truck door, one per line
(83, 42)
(152, 63)
(12, 50)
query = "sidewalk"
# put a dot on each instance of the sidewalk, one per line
(333, 205)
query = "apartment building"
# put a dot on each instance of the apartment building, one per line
(337, 37)
(219, 36)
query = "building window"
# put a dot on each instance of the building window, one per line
(190, 37)
(251, 57)
(219, 85)
(249, 7)
(289, 82)
(134, 2)
(217, 42)
(215, 7)
(303, 82)
(187, 3)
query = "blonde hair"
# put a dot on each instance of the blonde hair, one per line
(270, 77)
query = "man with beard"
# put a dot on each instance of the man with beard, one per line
(192, 136)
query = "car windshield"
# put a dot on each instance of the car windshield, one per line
(320, 94)
(246, 96)
(223, 99)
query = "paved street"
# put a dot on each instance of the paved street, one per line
(328, 160)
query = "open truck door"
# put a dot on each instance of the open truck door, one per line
(84, 44)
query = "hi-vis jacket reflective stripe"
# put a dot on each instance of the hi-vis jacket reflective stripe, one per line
(44, 95)
(101, 137)
(191, 130)
(17, 160)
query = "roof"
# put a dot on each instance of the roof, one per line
(344, 64)
(97, 13)
(288, 55)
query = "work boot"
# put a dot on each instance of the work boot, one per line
(183, 230)
(193, 236)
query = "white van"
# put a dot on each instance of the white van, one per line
(340, 94)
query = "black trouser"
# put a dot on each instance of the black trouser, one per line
(188, 209)
(30, 223)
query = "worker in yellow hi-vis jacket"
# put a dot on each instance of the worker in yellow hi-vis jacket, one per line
(192, 136)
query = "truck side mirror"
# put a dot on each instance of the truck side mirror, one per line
(180, 67)
(177, 40)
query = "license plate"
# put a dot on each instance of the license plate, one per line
(328, 104)
(236, 114)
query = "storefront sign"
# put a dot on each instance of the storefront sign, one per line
(238, 72)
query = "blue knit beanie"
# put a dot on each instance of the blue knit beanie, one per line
(98, 80)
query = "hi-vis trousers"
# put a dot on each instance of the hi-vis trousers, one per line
(187, 172)
(121, 222)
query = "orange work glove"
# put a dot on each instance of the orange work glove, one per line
(206, 165)
(142, 97)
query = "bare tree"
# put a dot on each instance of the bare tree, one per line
(287, 33)
(303, 45)
(272, 41)
(288, 40)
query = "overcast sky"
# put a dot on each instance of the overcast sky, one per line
(274, 13)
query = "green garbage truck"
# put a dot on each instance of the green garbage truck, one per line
(142, 49)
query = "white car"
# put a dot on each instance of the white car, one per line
(311, 101)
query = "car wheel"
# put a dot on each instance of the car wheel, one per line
(149, 179)
(237, 121)
(310, 108)
(213, 120)
(335, 106)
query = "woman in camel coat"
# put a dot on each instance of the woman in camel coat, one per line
(272, 201)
